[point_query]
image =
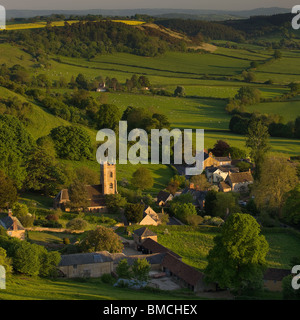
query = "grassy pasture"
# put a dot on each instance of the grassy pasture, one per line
(290, 110)
(194, 243)
(20, 287)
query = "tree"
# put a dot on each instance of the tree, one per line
(297, 127)
(277, 54)
(210, 202)
(200, 182)
(179, 91)
(101, 239)
(108, 117)
(237, 260)
(183, 211)
(141, 269)
(243, 166)
(291, 212)
(115, 202)
(278, 177)
(43, 172)
(142, 179)
(248, 95)
(81, 82)
(8, 192)
(236, 153)
(78, 195)
(134, 212)
(220, 148)
(248, 76)
(77, 224)
(72, 143)
(87, 176)
(20, 210)
(258, 142)
(5, 261)
(173, 186)
(225, 204)
(123, 269)
(26, 258)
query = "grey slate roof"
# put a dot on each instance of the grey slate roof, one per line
(144, 232)
(85, 258)
(7, 223)
(156, 258)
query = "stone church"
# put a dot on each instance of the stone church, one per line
(96, 193)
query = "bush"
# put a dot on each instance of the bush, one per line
(52, 217)
(77, 224)
(66, 241)
(27, 221)
(108, 278)
(47, 223)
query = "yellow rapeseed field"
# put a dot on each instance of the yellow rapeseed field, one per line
(61, 24)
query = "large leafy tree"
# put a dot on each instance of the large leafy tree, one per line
(142, 179)
(277, 178)
(78, 195)
(71, 143)
(220, 148)
(258, 142)
(8, 192)
(15, 145)
(108, 117)
(291, 207)
(134, 212)
(43, 172)
(101, 239)
(237, 260)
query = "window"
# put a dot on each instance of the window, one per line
(111, 174)
(111, 186)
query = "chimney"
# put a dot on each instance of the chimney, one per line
(210, 154)
(10, 213)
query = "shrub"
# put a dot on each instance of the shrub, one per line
(52, 217)
(66, 241)
(77, 224)
(108, 278)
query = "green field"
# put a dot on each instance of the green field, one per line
(290, 110)
(193, 244)
(202, 108)
(31, 288)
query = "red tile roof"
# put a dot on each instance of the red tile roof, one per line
(182, 270)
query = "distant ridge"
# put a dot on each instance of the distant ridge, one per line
(152, 12)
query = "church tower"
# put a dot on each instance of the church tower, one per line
(108, 178)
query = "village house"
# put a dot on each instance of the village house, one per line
(96, 193)
(13, 226)
(210, 160)
(150, 217)
(237, 182)
(217, 174)
(140, 235)
(198, 196)
(163, 198)
(101, 87)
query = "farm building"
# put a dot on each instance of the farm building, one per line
(13, 226)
